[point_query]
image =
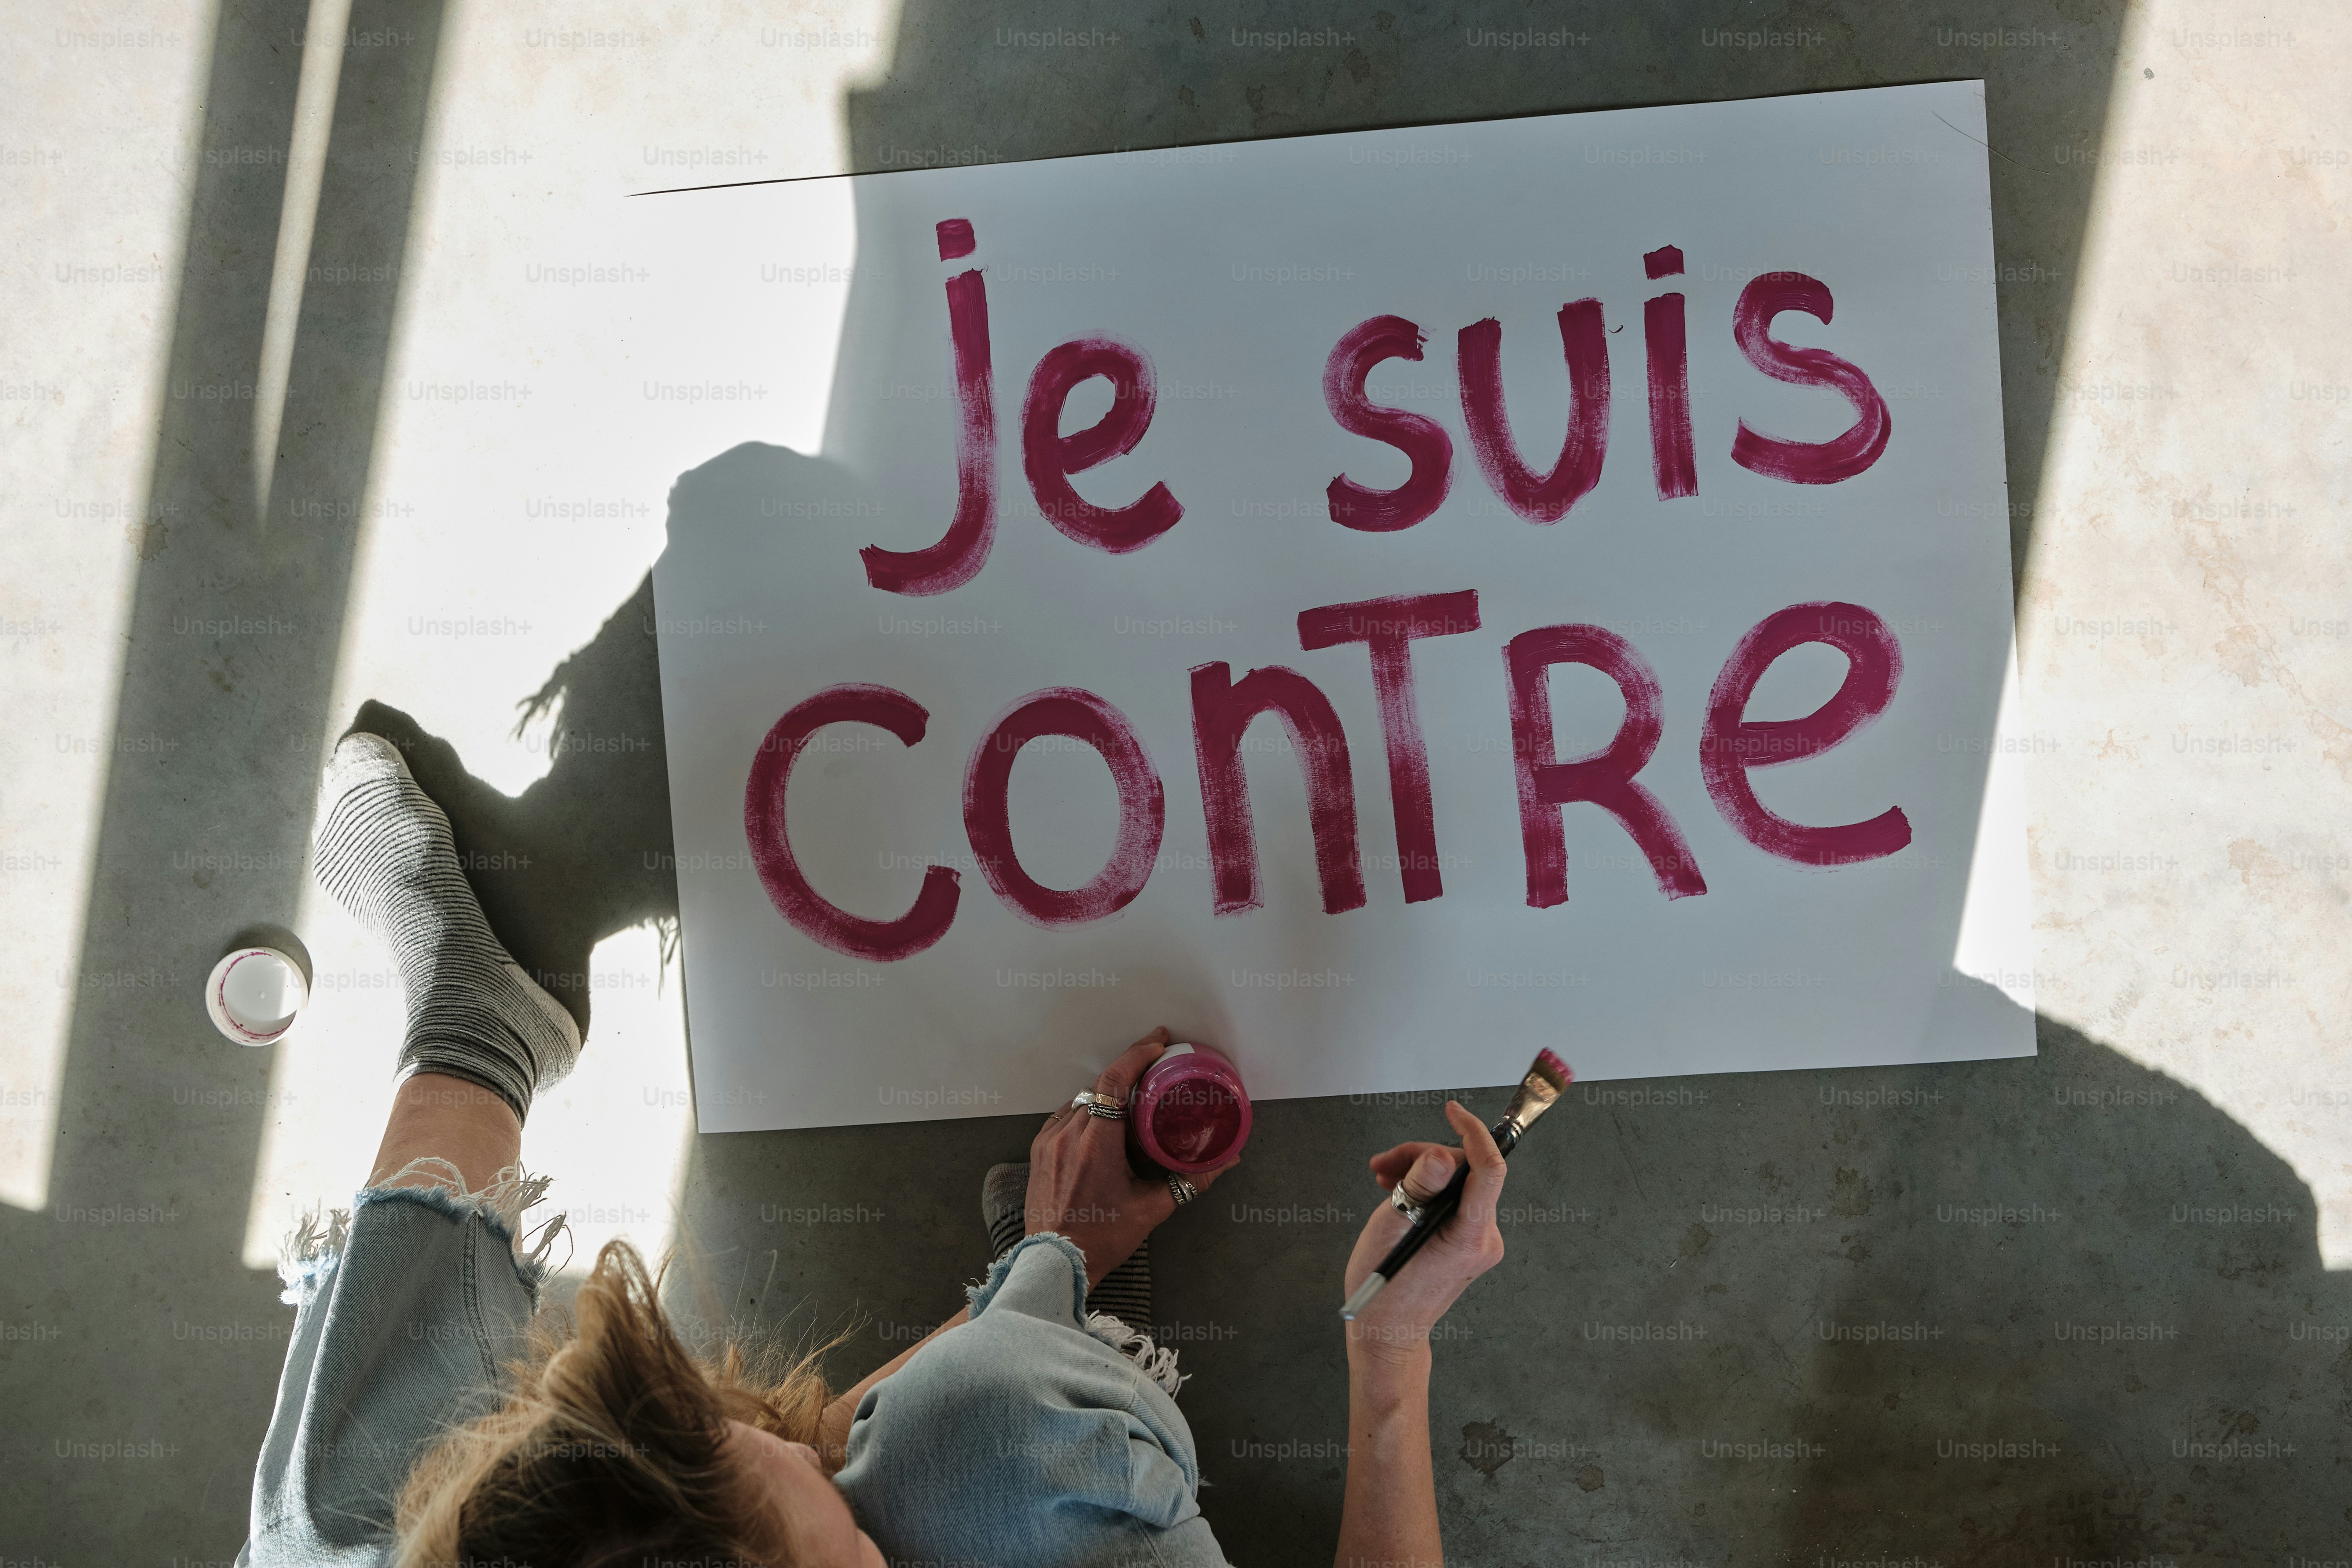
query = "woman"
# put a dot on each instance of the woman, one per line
(423, 1418)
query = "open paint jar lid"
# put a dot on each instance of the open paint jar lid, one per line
(255, 993)
(1190, 1113)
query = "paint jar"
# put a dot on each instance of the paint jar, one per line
(1189, 1113)
(255, 993)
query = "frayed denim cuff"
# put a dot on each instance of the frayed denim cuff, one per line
(319, 1238)
(1134, 1342)
(978, 1297)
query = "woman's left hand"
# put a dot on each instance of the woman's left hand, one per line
(1080, 1185)
(1398, 1323)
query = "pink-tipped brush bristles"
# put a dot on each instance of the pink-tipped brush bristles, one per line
(1546, 1081)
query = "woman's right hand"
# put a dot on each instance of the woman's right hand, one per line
(1396, 1324)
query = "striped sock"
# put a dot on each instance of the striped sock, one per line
(1124, 1293)
(384, 850)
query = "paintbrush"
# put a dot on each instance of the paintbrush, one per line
(1545, 1082)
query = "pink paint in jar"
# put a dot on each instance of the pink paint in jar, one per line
(1190, 1113)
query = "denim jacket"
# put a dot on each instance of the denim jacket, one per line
(1022, 1438)
(407, 1305)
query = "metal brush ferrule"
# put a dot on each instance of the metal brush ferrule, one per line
(1534, 1097)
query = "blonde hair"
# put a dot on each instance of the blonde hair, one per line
(608, 1448)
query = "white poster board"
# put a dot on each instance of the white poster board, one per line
(913, 887)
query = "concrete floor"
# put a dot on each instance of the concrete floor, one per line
(281, 229)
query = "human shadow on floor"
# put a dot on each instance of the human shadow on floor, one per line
(584, 851)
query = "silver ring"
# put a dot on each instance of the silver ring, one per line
(1100, 1105)
(1182, 1191)
(1402, 1201)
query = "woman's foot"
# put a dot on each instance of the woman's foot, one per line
(542, 871)
(1124, 1293)
(383, 849)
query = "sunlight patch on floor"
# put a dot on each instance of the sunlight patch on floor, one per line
(2182, 613)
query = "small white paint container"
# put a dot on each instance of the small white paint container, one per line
(255, 993)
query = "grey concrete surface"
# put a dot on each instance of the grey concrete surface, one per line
(1975, 1311)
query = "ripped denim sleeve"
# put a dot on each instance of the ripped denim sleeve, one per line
(317, 1240)
(1043, 1290)
(408, 1305)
